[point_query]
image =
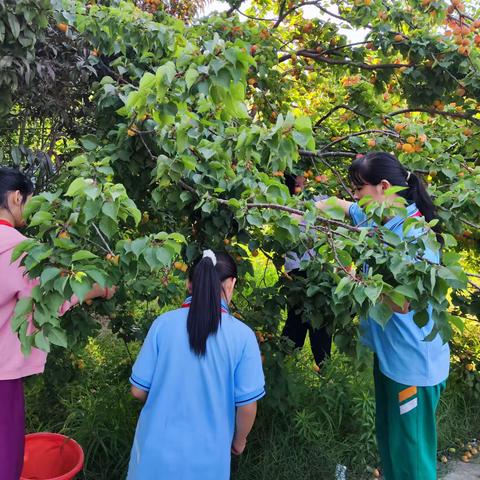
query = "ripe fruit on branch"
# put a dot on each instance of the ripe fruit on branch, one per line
(115, 259)
(180, 266)
(308, 27)
(132, 131)
(321, 179)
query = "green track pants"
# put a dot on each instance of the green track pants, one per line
(406, 428)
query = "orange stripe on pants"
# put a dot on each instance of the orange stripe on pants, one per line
(407, 393)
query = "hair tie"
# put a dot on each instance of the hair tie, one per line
(409, 173)
(209, 254)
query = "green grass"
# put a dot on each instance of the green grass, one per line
(306, 425)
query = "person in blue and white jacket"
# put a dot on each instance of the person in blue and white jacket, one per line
(410, 373)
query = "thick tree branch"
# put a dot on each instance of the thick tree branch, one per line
(274, 206)
(319, 57)
(307, 153)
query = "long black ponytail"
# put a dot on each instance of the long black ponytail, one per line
(374, 167)
(204, 315)
(12, 180)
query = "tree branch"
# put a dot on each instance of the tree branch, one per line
(357, 134)
(313, 54)
(339, 177)
(338, 107)
(282, 17)
(274, 206)
(235, 9)
(434, 111)
(318, 153)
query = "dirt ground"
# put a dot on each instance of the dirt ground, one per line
(462, 471)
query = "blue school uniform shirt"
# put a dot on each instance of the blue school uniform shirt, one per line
(402, 353)
(186, 426)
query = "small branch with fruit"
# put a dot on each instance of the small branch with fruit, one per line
(314, 55)
(390, 133)
(436, 111)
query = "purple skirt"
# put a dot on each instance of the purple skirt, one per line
(12, 428)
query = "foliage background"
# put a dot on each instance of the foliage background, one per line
(153, 132)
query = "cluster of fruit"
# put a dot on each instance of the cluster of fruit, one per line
(412, 143)
(460, 29)
(470, 450)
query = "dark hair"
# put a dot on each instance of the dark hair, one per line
(204, 315)
(12, 180)
(374, 167)
(290, 182)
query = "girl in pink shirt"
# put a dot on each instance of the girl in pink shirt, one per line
(15, 190)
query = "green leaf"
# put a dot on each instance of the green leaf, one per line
(77, 186)
(253, 220)
(41, 342)
(381, 313)
(312, 290)
(421, 318)
(138, 246)
(24, 306)
(191, 77)
(97, 276)
(57, 337)
(342, 284)
(82, 255)
(457, 322)
(80, 289)
(407, 291)
(110, 209)
(13, 24)
(22, 247)
(41, 217)
(164, 256)
(89, 142)
(49, 274)
(373, 292)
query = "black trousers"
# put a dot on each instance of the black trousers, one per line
(296, 330)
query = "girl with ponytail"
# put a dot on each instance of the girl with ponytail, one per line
(200, 375)
(409, 372)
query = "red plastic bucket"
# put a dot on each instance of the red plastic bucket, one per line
(51, 456)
